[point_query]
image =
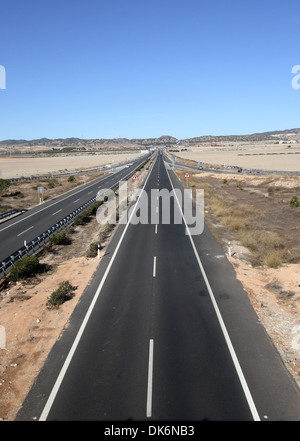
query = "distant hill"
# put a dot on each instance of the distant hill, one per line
(119, 144)
(289, 134)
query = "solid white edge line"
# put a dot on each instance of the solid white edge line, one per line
(150, 380)
(67, 362)
(221, 322)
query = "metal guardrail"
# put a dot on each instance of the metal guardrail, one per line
(11, 212)
(36, 245)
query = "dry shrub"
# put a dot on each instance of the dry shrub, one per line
(267, 246)
(248, 240)
(219, 207)
(235, 223)
(243, 210)
(273, 258)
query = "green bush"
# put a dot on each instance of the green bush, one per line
(142, 165)
(24, 268)
(84, 217)
(52, 183)
(60, 239)
(71, 178)
(93, 250)
(61, 295)
(81, 219)
(294, 202)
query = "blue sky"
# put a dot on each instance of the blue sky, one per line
(142, 69)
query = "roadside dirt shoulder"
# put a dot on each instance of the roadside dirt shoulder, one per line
(275, 296)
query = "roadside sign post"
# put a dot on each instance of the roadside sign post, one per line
(40, 191)
(187, 178)
(229, 249)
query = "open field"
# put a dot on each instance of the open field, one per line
(258, 155)
(24, 195)
(18, 167)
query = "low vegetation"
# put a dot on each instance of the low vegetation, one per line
(25, 268)
(61, 295)
(260, 218)
(93, 249)
(86, 215)
(294, 202)
(60, 239)
(142, 165)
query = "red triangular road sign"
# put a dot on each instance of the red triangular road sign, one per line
(186, 175)
(134, 178)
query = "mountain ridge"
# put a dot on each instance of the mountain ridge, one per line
(167, 140)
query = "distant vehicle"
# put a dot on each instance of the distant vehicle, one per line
(200, 167)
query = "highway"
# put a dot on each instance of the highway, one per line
(35, 221)
(164, 332)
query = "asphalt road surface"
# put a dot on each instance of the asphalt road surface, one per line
(164, 332)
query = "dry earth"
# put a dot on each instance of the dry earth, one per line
(275, 296)
(17, 167)
(257, 156)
